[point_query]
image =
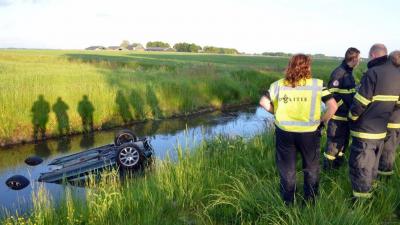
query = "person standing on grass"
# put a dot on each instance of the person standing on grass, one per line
(296, 102)
(369, 115)
(392, 140)
(342, 86)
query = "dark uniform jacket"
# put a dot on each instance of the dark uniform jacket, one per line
(376, 99)
(342, 86)
(394, 121)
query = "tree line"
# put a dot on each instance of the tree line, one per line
(184, 47)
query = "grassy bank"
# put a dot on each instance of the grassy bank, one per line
(48, 87)
(225, 181)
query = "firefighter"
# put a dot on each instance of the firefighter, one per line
(370, 112)
(392, 139)
(296, 102)
(342, 86)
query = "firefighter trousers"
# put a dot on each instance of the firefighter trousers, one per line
(386, 162)
(338, 135)
(363, 164)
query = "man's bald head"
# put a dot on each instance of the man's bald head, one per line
(395, 57)
(377, 50)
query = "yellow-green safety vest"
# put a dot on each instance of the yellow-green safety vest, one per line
(297, 109)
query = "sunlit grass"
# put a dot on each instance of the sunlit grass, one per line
(150, 86)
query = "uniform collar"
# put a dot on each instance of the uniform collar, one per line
(377, 62)
(347, 67)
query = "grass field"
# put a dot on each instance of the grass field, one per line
(225, 181)
(122, 87)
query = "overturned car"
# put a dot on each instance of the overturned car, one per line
(128, 153)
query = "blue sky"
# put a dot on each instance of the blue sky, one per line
(251, 26)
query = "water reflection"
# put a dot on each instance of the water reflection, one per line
(64, 145)
(87, 140)
(42, 149)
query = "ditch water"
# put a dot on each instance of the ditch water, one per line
(165, 136)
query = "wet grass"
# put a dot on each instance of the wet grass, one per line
(125, 86)
(224, 181)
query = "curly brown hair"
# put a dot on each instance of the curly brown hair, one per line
(298, 69)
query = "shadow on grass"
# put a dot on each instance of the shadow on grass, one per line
(60, 108)
(40, 117)
(86, 110)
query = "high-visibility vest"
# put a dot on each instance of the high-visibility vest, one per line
(297, 109)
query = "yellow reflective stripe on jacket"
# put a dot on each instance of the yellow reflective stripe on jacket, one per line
(393, 125)
(334, 117)
(329, 156)
(362, 194)
(340, 103)
(325, 93)
(342, 91)
(352, 117)
(385, 173)
(368, 135)
(385, 98)
(362, 99)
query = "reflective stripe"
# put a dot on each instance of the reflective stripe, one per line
(340, 154)
(325, 93)
(329, 156)
(361, 99)
(340, 103)
(299, 123)
(273, 91)
(393, 125)
(352, 117)
(385, 98)
(362, 194)
(334, 117)
(342, 91)
(385, 173)
(368, 135)
(398, 102)
(314, 99)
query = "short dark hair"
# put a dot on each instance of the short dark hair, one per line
(351, 54)
(395, 57)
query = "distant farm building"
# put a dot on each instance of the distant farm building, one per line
(96, 48)
(116, 48)
(135, 47)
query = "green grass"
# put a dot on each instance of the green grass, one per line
(224, 181)
(125, 86)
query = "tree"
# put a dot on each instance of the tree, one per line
(186, 47)
(124, 44)
(160, 44)
(212, 49)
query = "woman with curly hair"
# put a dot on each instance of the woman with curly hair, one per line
(296, 102)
